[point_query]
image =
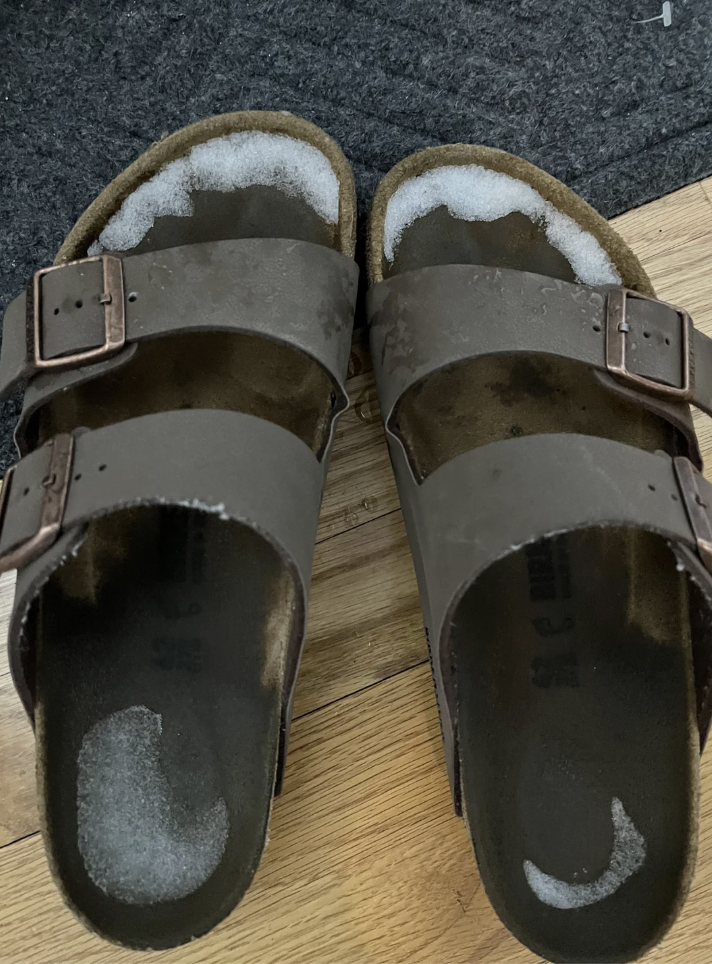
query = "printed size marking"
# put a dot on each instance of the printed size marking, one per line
(665, 16)
(549, 574)
(627, 857)
(548, 569)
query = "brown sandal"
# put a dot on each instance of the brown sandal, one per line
(185, 369)
(535, 396)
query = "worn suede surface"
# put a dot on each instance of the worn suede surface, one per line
(620, 111)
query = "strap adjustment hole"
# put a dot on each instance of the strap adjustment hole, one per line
(56, 311)
(78, 303)
(133, 296)
(651, 487)
(596, 327)
(102, 467)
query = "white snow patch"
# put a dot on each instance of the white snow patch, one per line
(138, 846)
(225, 164)
(474, 193)
(627, 856)
(218, 509)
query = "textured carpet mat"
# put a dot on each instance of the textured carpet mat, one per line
(617, 108)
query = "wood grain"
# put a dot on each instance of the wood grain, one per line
(365, 622)
(366, 861)
(658, 227)
(360, 485)
(707, 187)
(18, 810)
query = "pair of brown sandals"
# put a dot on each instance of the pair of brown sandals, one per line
(184, 363)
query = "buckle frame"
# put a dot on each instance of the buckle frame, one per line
(55, 487)
(696, 508)
(112, 298)
(616, 332)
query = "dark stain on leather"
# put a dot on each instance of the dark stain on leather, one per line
(527, 379)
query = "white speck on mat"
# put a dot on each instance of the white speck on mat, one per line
(228, 163)
(474, 193)
(133, 847)
(627, 856)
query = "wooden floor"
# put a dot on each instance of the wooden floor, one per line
(366, 862)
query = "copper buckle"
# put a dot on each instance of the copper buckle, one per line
(616, 333)
(54, 497)
(696, 508)
(112, 298)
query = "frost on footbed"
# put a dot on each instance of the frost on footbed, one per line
(139, 844)
(627, 857)
(474, 193)
(225, 164)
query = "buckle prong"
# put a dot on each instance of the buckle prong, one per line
(617, 328)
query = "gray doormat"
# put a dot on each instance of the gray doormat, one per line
(619, 110)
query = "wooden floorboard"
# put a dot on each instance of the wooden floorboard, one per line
(366, 861)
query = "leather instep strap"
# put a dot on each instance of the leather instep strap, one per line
(231, 464)
(295, 292)
(490, 311)
(489, 502)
